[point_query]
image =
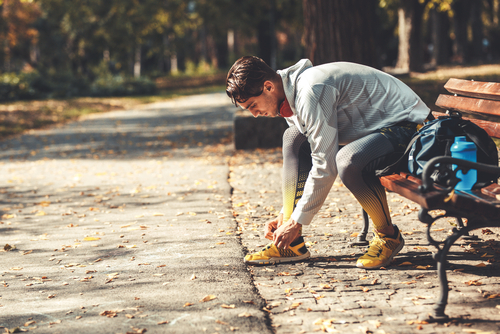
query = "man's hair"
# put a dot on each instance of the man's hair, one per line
(246, 78)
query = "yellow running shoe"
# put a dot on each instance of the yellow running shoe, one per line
(381, 251)
(270, 254)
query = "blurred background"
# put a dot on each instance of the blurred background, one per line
(64, 49)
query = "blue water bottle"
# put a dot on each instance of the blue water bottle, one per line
(465, 150)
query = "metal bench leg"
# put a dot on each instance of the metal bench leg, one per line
(466, 236)
(440, 258)
(361, 241)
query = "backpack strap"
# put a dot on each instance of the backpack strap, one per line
(472, 135)
(392, 168)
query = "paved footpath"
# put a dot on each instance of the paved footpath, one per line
(137, 221)
(122, 223)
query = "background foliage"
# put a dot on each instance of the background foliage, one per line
(61, 48)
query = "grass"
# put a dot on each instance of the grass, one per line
(430, 84)
(17, 117)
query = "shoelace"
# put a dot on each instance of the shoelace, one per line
(376, 245)
(266, 248)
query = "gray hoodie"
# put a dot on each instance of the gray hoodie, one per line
(335, 104)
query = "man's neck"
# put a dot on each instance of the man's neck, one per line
(280, 90)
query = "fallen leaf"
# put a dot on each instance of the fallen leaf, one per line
(207, 298)
(228, 306)
(193, 277)
(109, 314)
(423, 267)
(163, 322)
(474, 282)
(188, 304)
(8, 247)
(406, 263)
(244, 315)
(91, 239)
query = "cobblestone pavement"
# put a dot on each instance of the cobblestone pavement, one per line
(329, 293)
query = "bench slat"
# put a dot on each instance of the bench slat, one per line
(491, 128)
(409, 189)
(492, 190)
(469, 105)
(480, 89)
(477, 204)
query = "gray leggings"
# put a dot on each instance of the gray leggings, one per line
(356, 165)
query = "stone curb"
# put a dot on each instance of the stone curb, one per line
(257, 132)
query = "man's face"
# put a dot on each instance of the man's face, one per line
(266, 104)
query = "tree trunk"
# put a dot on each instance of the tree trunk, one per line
(440, 26)
(336, 30)
(477, 31)
(410, 52)
(174, 69)
(137, 62)
(221, 46)
(461, 13)
(404, 29)
(6, 44)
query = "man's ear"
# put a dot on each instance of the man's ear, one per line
(268, 85)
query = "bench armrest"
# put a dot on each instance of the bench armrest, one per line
(444, 168)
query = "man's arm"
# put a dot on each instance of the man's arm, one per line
(321, 127)
(317, 109)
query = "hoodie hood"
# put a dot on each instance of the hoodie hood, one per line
(290, 76)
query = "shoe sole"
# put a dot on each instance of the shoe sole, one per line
(274, 260)
(388, 261)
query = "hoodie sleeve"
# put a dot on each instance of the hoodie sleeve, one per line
(316, 108)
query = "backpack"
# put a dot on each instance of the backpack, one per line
(436, 137)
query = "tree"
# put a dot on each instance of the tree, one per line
(410, 52)
(17, 29)
(440, 35)
(337, 30)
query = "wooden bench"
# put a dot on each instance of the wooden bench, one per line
(480, 208)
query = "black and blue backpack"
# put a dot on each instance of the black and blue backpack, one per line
(436, 137)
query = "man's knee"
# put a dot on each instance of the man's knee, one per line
(292, 137)
(347, 162)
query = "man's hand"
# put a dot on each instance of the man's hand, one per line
(286, 233)
(272, 225)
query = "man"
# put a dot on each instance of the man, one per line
(371, 114)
